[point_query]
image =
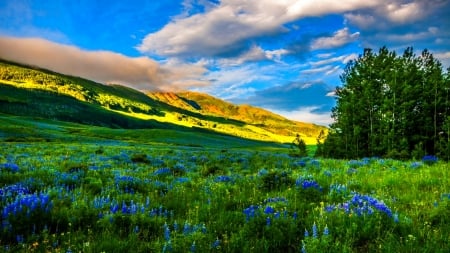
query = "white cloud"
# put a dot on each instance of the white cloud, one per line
(403, 13)
(102, 66)
(394, 13)
(324, 69)
(228, 27)
(339, 38)
(431, 32)
(306, 114)
(343, 58)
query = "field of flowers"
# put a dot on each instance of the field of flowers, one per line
(124, 197)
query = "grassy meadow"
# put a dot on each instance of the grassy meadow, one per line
(72, 188)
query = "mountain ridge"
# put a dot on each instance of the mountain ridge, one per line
(130, 108)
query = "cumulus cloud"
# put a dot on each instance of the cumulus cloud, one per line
(227, 29)
(102, 66)
(394, 13)
(339, 38)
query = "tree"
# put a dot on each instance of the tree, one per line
(320, 140)
(390, 105)
(299, 147)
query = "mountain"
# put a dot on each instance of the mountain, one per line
(32, 91)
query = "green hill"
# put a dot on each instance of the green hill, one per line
(32, 91)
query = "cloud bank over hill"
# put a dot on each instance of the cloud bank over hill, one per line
(102, 66)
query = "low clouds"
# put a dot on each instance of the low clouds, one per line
(102, 66)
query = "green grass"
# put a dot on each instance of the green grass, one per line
(117, 190)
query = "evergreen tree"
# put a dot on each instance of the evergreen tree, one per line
(299, 147)
(389, 105)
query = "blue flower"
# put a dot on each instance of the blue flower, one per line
(303, 247)
(396, 220)
(193, 248)
(314, 229)
(326, 231)
(429, 159)
(306, 233)
(269, 210)
(175, 226)
(186, 228)
(166, 232)
(162, 172)
(11, 167)
(415, 165)
(268, 221)
(223, 179)
(216, 244)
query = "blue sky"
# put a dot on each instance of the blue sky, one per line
(282, 55)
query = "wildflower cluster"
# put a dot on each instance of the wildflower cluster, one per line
(307, 182)
(272, 208)
(10, 191)
(223, 179)
(362, 205)
(429, 159)
(129, 184)
(316, 242)
(11, 167)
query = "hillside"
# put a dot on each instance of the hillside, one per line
(253, 116)
(36, 92)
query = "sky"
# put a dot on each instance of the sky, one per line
(285, 56)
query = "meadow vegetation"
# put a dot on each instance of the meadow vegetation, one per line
(96, 191)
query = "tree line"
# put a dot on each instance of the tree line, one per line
(390, 105)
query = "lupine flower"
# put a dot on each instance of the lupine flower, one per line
(11, 167)
(162, 171)
(429, 159)
(203, 228)
(415, 165)
(193, 248)
(269, 210)
(175, 226)
(314, 230)
(250, 212)
(223, 179)
(303, 247)
(186, 228)
(276, 199)
(396, 220)
(306, 233)
(268, 221)
(167, 247)
(166, 232)
(326, 231)
(19, 239)
(216, 244)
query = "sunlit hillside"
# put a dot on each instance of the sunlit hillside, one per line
(257, 120)
(75, 99)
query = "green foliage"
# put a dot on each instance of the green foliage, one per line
(391, 105)
(298, 147)
(103, 201)
(276, 180)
